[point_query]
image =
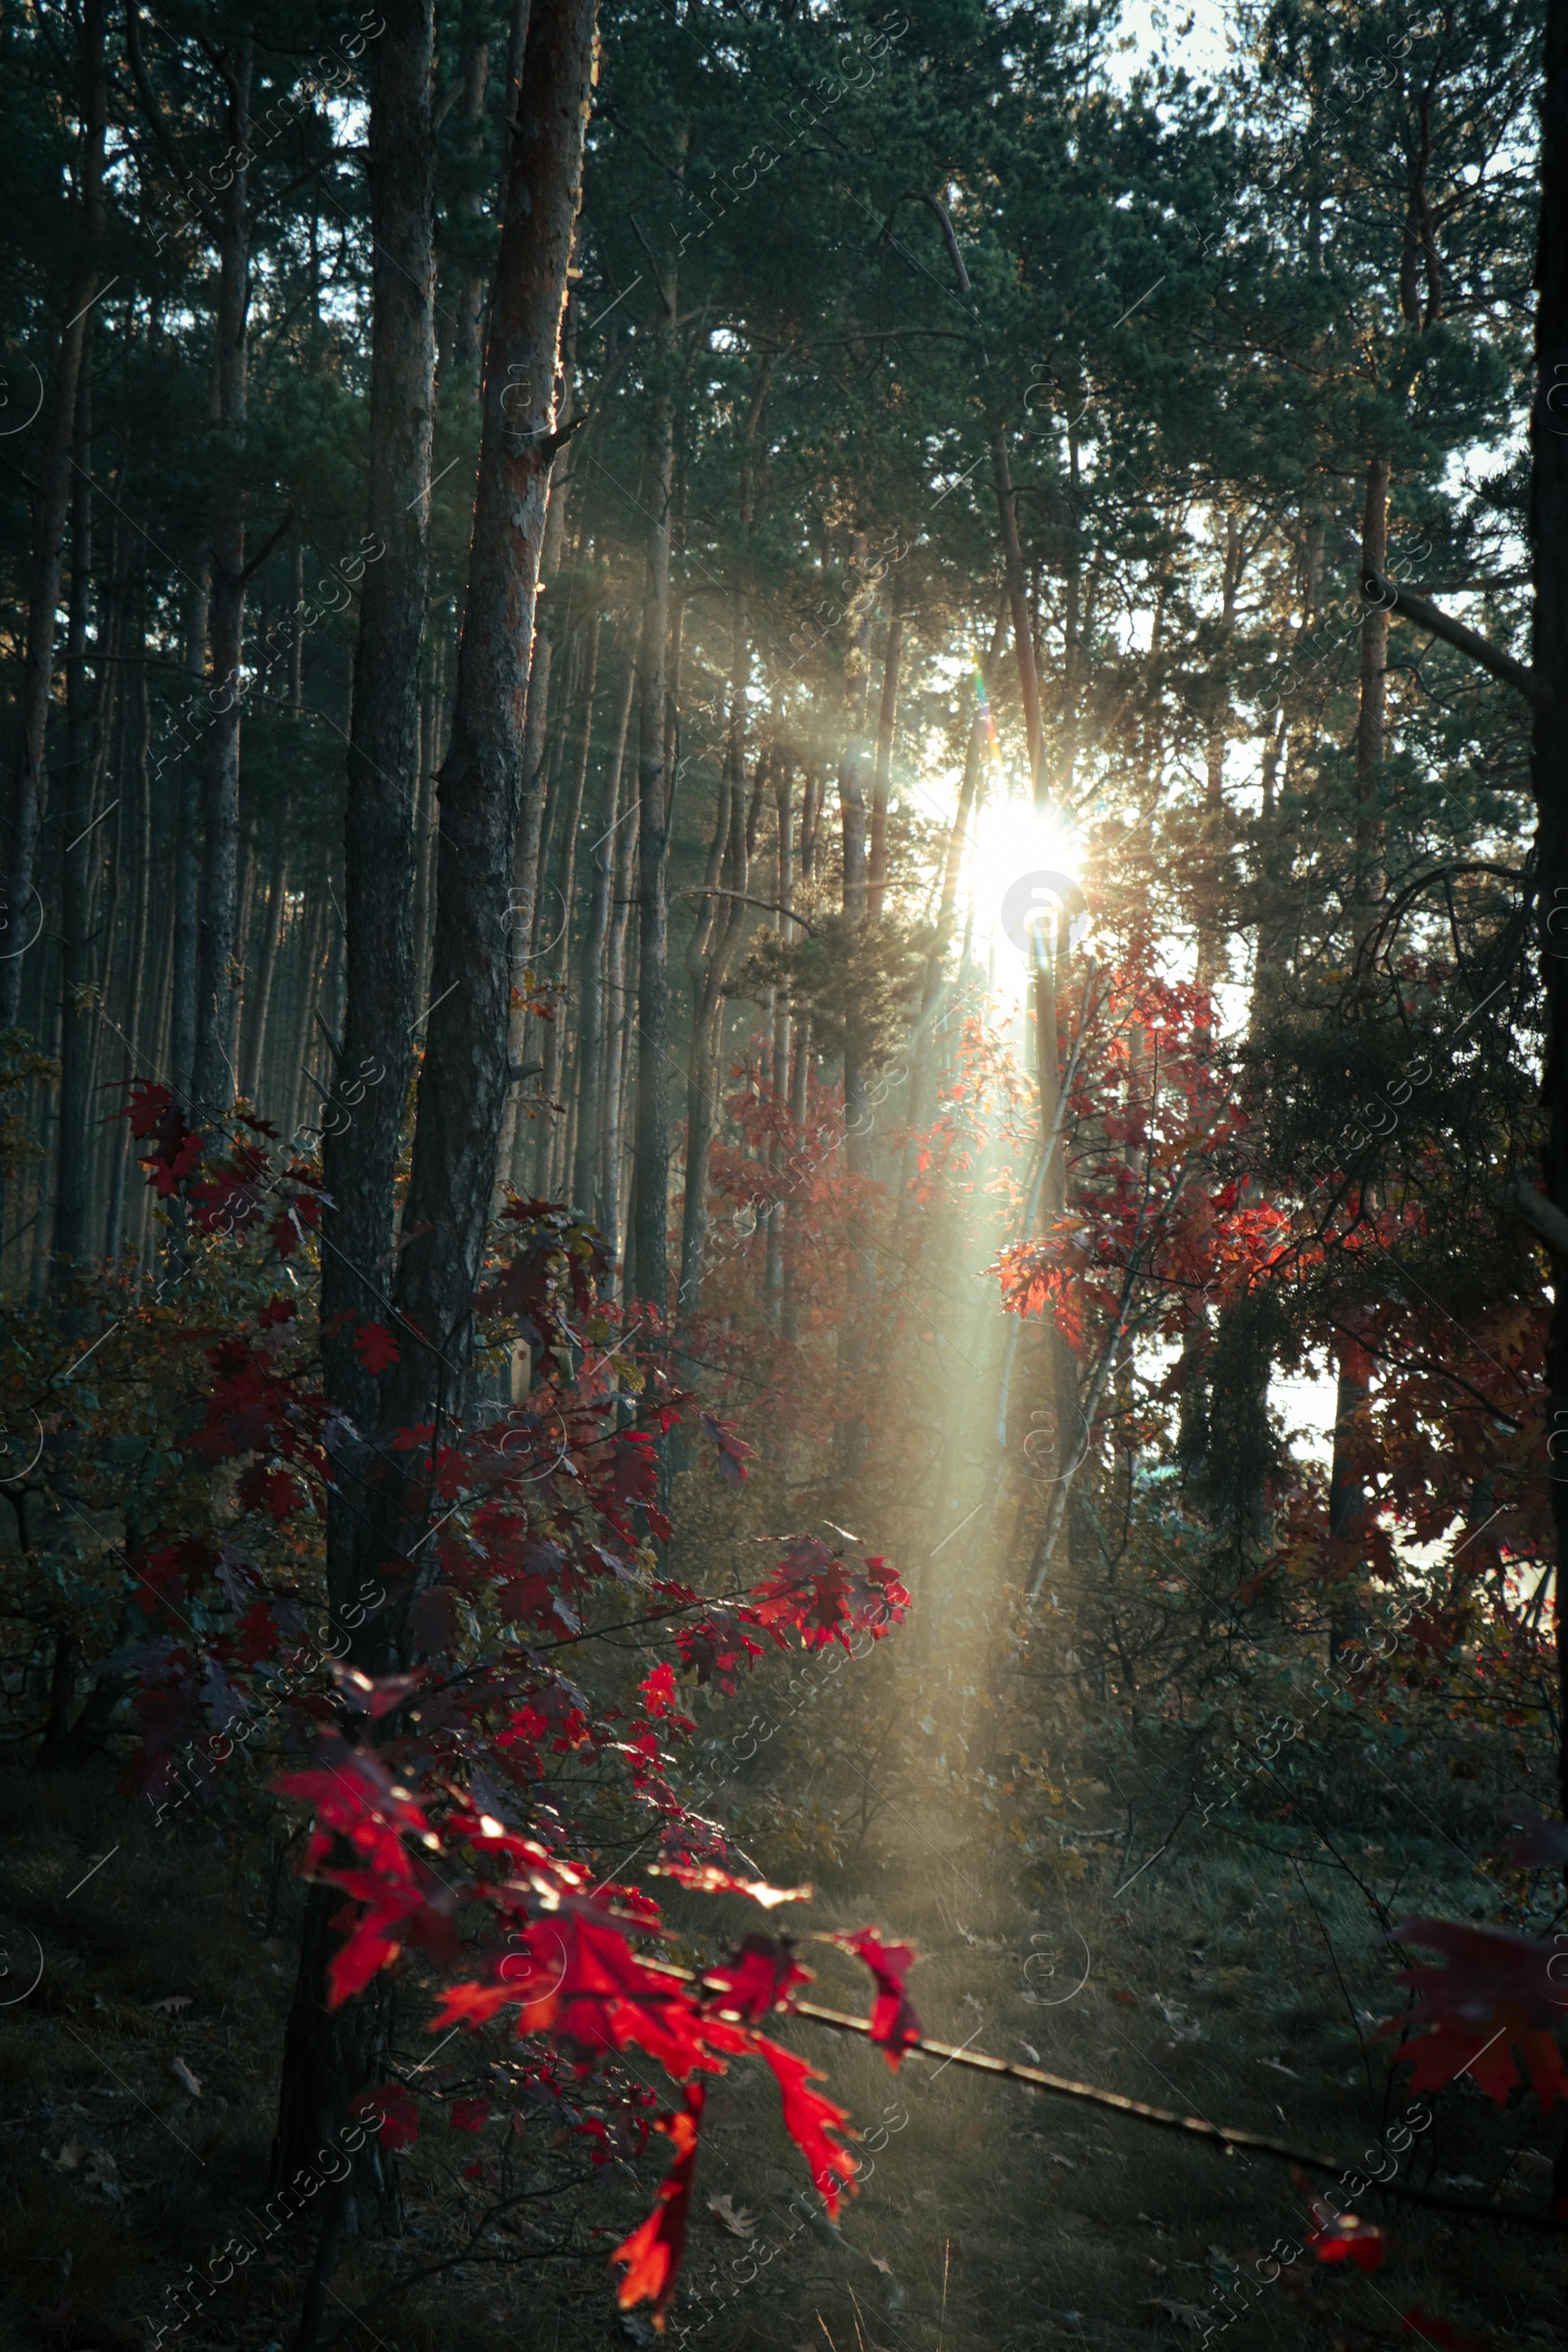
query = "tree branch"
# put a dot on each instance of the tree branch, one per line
(1543, 1217)
(167, 146)
(703, 891)
(1438, 623)
(1166, 2119)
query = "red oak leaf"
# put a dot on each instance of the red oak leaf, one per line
(375, 1347)
(760, 1976)
(815, 2124)
(895, 2028)
(1493, 1998)
(394, 2111)
(658, 1691)
(264, 1489)
(469, 2114)
(652, 2256)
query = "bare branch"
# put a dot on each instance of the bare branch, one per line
(1438, 623)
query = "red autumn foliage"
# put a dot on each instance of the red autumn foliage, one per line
(895, 2028)
(653, 2254)
(1489, 2011)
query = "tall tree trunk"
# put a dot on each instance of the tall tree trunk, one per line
(850, 1425)
(1549, 768)
(328, 2058)
(462, 315)
(463, 1083)
(1347, 1492)
(778, 1155)
(360, 1150)
(558, 1054)
(1367, 873)
(587, 1180)
(51, 503)
(527, 877)
(887, 718)
(619, 1056)
(919, 1105)
(78, 845)
(140, 1000)
(717, 928)
(649, 1216)
(187, 834)
(258, 1007)
(1018, 604)
(216, 969)
(311, 970)
(1211, 867)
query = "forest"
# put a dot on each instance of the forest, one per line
(783, 1165)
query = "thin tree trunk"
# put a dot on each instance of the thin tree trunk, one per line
(78, 847)
(458, 358)
(919, 1105)
(527, 879)
(216, 971)
(1347, 1492)
(778, 1155)
(139, 832)
(715, 935)
(588, 1191)
(50, 508)
(311, 968)
(187, 833)
(649, 1218)
(1367, 878)
(558, 1057)
(887, 719)
(1019, 603)
(360, 1149)
(258, 1007)
(618, 1033)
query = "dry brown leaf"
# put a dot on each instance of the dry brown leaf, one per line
(182, 2074)
(1191, 2315)
(171, 2003)
(732, 2216)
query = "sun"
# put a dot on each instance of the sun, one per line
(1023, 866)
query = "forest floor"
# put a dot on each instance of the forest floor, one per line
(137, 2073)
